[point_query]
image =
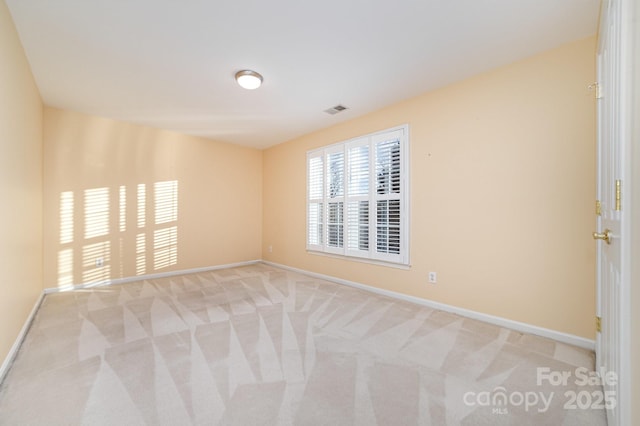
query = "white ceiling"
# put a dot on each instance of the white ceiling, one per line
(170, 63)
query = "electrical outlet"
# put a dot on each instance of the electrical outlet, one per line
(99, 262)
(270, 249)
(433, 277)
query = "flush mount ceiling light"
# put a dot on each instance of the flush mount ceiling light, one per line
(248, 79)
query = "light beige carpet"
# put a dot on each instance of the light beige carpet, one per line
(258, 345)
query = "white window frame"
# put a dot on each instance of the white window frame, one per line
(320, 234)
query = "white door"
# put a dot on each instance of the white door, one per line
(610, 233)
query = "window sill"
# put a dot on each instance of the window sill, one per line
(401, 266)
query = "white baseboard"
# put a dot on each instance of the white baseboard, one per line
(16, 345)
(149, 276)
(569, 339)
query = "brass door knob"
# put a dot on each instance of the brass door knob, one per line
(605, 236)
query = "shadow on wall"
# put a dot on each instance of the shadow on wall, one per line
(94, 243)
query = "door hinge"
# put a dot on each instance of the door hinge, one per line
(598, 208)
(596, 88)
(598, 324)
(618, 195)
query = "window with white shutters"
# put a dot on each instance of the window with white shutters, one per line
(357, 197)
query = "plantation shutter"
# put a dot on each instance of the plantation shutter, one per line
(335, 199)
(388, 196)
(357, 200)
(315, 195)
(357, 197)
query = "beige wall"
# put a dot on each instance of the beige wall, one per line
(502, 193)
(215, 219)
(20, 185)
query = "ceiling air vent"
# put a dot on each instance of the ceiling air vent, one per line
(336, 109)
